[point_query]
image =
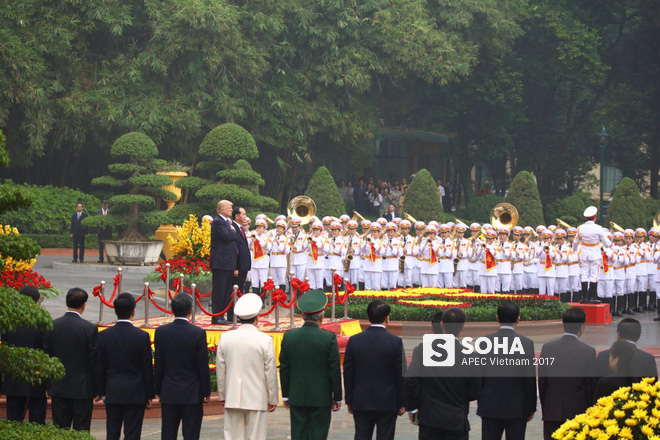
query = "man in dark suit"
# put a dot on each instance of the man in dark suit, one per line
(373, 376)
(642, 363)
(391, 214)
(507, 400)
(566, 387)
(73, 341)
(224, 255)
(244, 261)
(78, 233)
(309, 371)
(125, 372)
(22, 397)
(103, 233)
(181, 369)
(438, 399)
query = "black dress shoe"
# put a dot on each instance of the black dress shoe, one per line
(594, 301)
(100, 260)
(617, 313)
(657, 318)
(74, 261)
(82, 260)
(220, 322)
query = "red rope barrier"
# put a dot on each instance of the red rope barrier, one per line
(270, 311)
(151, 297)
(97, 292)
(214, 315)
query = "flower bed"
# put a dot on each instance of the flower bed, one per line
(628, 413)
(420, 304)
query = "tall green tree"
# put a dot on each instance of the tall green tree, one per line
(524, 195)
(627, 206)
(323, 190)
(422, 199)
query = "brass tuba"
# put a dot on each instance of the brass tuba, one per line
(410, 218)
(562, 224)
(615, 227)
(656, 220)
(301, 207)
(504, 214)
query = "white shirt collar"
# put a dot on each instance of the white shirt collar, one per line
(632, 342)
(73, 311)
(223, 217)
(125, 320)
(571, 334)
(506, 327)
(181, 317)
(378, 325)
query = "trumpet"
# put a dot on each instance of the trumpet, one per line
(546, 248)
(429, 241)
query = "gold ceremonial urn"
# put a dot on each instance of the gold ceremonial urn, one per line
(164, 230)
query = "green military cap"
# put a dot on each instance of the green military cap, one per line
(312, 301)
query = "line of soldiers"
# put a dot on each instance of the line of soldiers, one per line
(385, 255)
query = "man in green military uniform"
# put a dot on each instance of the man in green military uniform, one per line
(309, 372)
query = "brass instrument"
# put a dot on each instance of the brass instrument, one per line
(357, 217)
(656, 220)
(546, 248)
(269, 220)
(562, 224)
(335, 219)
(301, 207)
(456, 261)
(349, 258)
(473, 259)
(402, 263)
(615, 227)
(410, 218)
(504, 215)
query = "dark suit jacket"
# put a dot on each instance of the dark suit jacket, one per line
(515, 385)
(309, 367)
(607, 385)
(106, 232)
(373, 371)
(389, 216)
(73, 341)
(642, 365)
(244, 260)
(124, 365)
(224, 245)
(441, 396)
(23, 337)
(564, 397)
(181, 363)
(76, 226)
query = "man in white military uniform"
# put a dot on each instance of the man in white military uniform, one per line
(589, 238)
(247, 374)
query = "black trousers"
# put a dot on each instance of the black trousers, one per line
(492, 429)
(78, 247)
(222, 288)
(549, 428)
(431, 433)
(190, 416)
(366, 421)
(36, 406)
(104, 235)
(240, 281)
(72, 413)
(131, 416)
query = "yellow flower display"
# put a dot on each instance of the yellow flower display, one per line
(191, 238)
(622, 415)
(10, 264)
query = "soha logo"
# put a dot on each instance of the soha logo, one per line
(439, 350)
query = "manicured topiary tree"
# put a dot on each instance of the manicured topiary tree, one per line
(237, 181)
(136, 177)
(478, 209)
(524, 195)
(627, 206)
(323, 190)
(422, 199)
(568, 209)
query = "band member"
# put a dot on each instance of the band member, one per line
(446, 254)
(366, 230)
(298, 242)
(589, 238)
(260, 246)
(351, 246)
(371, 249)
(344, 219)
(420, 228)
(315, 248)
(333, 246)
(487, 253)
(563, 250)
(517, 257)
(618, 274)
(407, 245)
(530, 265)
(642, 269)
(474, 266)
(651, 269)
(632, 259)
(278, 254)
(460, 277)
(429, 248)
(504, 261)
(573, 266)
(547, 255)
(391, 253)
(606, 274)
(327, 221)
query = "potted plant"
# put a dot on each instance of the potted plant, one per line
(135, 208)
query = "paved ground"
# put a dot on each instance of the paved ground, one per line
(88, 275)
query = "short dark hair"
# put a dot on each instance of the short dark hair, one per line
(453, 320)
(247, 320)
(79, 203)
(30, 291)
(181, 305)
(629, 329)
(76, 297)
(377, 311)
(124, 305)
(624, 351)
(573, 320)
(508, 313)
(436, 321)
(235, 211)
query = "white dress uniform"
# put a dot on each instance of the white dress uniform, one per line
(573, 271)
(429, 261)
(632, 259)
(407, 249)
(518, 251)
(391, 254)
(298, 259)
(488, 277)
(530, 270)
(333, 247)
(561, 281)
(587, 244)
(278, 251)
(447, 253)
(504, 267)
(260, 247)
(315, 264)
(606, 275)
(461, 277)
(353, 242)
(546, 276)
(642, 268)
(474, 265)
(372, 263)
(619, 273)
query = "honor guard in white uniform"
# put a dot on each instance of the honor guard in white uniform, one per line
(561, 264)
(428, 249)
(474, 265)
(505, 250)
(651, 269)
(278, 254)
(407, 246)
(446, 254)
(606, 273)
(391, 252)
(547, 255)
(587, 244)
(618, 274)
(344, 219)
(366, 230)
(530, 263)
(333, 245)
(461, 244)
(315, 250)
(632, 259)
(327, 221)
(654, 236)
(298, 244)
(574, 285)
(642, 268)
(420, 229)
(517, 257)
(487, 253)
(352, 247)
(260, 246)
(372, 264)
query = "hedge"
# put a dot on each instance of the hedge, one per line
(627, 206)
(35, 431)
(524, 195)
(63, 241)
(569, 209)
(422, 199)
(323, 190)
(229, 141)
(478, 209)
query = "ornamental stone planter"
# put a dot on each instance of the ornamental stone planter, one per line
(133, 252)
